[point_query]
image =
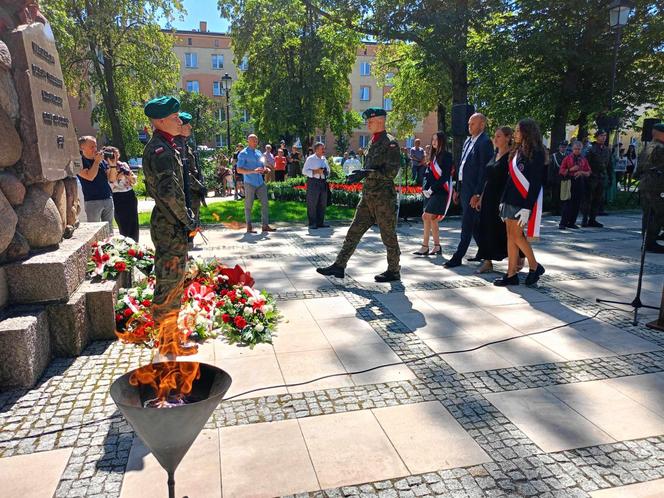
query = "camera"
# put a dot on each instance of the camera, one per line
(109, 154)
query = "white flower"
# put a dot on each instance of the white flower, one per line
(133, 292)
(259, 327)
(251, 300)
(248, 311)
(267, 308)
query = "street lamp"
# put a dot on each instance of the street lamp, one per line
(226, 81)
(619, 11)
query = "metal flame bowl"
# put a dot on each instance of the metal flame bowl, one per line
(170, 432)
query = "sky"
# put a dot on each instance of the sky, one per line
(200, 10)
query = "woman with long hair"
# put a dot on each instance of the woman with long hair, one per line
(492, 241)
(521, 202)
(437, 192)
(122, 180)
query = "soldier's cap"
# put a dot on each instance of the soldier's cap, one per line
(372, 112)
(564, 142)
(185, 117)
(658, 127)
(160, 107)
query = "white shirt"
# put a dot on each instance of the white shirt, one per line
(467, 147)
(314, 162)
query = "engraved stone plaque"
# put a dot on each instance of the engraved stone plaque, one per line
(50, 147)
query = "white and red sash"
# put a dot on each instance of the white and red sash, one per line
(437, 173)
(522, 185)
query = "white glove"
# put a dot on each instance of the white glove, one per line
(427, 193)
(523, 216)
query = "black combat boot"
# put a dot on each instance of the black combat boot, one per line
(388, 276)
(332, 270)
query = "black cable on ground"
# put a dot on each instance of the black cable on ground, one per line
(356, 372)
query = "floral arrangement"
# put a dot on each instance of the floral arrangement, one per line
(357, 188)
(217, 300)
(118, 254)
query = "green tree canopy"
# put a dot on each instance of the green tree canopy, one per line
(116, 53)
(297, 79)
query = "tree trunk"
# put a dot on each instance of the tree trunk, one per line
(558, 128)
(112, 104)
(459, 74)
(583, 125)
(440, 111)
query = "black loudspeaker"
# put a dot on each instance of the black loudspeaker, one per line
(460, 115)
(646, 133)
(607, 123)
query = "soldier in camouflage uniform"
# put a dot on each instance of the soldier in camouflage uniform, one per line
(650, 173)
(378, 200)
(194, 188)
(599, 158)
(171, 222)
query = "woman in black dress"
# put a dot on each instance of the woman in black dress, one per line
(436, 190)
(492, 241)
(521, 202)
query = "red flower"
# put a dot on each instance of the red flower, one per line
(119, 317)
(105, 257)
(243, 301)
(226, 317)
(94, 244)
(128, 312)
(131, 252)
(120, 266)
(240, 322)
(146, 302)
(140, 254)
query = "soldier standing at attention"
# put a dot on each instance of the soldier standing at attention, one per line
(650, 173)
(170, 223)
(378, 200)
(598, 157)
(194, 188)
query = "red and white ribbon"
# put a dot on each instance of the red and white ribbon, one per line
(436, 169)
(448, 188)
(523, 185)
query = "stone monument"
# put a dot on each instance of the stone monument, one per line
(44, 301)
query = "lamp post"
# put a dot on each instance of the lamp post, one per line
(619, 11)
(226, 81)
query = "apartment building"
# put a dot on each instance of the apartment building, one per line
(206, 56)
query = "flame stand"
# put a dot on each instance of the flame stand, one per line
(171, 484)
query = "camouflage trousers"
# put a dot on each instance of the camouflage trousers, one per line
(374, 208)
(170, 243)
(594, 197)
(654, 205)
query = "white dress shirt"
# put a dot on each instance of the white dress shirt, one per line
(314, 162)
(467, 148)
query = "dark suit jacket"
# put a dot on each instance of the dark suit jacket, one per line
(474, 170)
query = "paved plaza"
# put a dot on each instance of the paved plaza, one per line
(576, 411)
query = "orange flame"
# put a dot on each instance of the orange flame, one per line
(168, 378)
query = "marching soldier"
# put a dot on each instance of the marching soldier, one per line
(650, 172)
(378, 201)
(171, 222)
(194, 184)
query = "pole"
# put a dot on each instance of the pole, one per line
(614, 70)
(171, 484)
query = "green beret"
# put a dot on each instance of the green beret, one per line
(160, 107)
(372, 112)
(658, 127)
(185, 117)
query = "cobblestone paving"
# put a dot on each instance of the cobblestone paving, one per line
(71, 408)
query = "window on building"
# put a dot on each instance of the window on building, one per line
(217, 61)
(244, 116)
(188, 41)
(365, 93)
(364, 141)
(388, 78)
(221, 114)
(320, 138)
(216, 88)
(191, 59)
(216, 43)
(387, 104)
(192, 86)
(220, 140)
(410, 142)
(244, 63)
(365, 69)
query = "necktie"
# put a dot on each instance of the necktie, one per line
(464, 155)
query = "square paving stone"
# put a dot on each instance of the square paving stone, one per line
(571, 344)
(650, 489)
(252, 372)
(304, 335)
(264, 460)
(35, 475)
(348, 331)
(307, 365)
(350, 448)
(370, 355)
(495, 296)
(549, 422)
(199, 473)
(610, 410)
(534, 316)
(330, 307)
(644, 389)
(428, 438)
(614, 339)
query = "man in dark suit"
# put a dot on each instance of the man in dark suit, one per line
(476, 153)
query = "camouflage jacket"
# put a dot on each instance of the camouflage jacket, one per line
(651, 159)
(162, 167)
(384, 156)
(599, 158)
(195, 176)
